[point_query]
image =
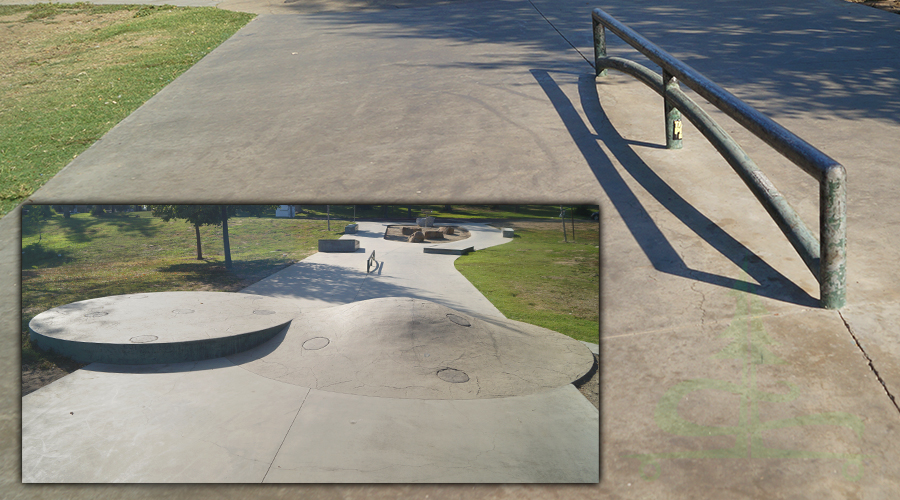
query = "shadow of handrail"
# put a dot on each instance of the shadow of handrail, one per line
(653, 243)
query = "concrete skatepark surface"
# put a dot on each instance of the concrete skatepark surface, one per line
(165, 327)
(374, 390)
(407, 348)
(688, 254)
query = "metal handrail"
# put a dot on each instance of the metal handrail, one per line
(370, 262)
(826, 259)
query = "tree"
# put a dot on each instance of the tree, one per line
(65, 210)
(196, 215)
(208, 215)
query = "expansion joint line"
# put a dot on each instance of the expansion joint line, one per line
(560, 33)
(871, 366)
(274, 457)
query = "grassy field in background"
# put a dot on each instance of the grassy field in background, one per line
(70, 72)
(467, 212)
(537, 278)
(84, 257)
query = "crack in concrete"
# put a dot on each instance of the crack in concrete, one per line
(274, 457)
(871, 365)
(702, 303)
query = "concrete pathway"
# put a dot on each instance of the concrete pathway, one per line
(353, 387)
(403, 270)
(683, 240)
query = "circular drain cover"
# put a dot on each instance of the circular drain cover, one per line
(315, 343)
(183, 311)
(143, 339)
(263, 312)
(95, 314)
(459, 320)
(452, 375)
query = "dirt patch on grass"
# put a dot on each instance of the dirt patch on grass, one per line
(33, 378)
(30, 47)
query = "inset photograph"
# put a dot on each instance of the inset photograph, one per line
(310, 344)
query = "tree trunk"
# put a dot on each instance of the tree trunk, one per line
(199, 251)
(225, 237)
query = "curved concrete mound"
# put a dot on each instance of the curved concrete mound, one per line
(162, 327)
(411, 348)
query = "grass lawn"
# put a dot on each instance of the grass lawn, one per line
(466, 212)
(70, 72)
(84, 257)
(537, 278)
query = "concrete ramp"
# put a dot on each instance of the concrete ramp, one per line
(408, 348)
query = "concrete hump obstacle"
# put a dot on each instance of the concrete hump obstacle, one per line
(406, 348)
(344, 245)
(162, 327)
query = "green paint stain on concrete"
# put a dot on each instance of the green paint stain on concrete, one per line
(752, 347)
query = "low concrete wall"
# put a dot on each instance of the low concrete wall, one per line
(507, 232)
(149, 354)
(449, 251)
(350, 228)
(338, 245)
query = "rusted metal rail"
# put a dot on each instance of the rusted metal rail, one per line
(826, 258)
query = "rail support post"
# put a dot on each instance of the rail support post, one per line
(673, 116)
(833, 238)
(599, 47)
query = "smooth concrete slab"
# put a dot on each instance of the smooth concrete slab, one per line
(200, 422)
(365, 100)
(368, 439)
(163, 327)
(787, 400)
(408, 348)
(179, 423)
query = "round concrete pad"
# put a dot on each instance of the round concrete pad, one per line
(410, 348)
(166, 327)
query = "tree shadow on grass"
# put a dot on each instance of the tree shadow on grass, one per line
(79, 229)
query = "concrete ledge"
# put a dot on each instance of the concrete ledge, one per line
(162, 327)
(507, 232)
(338, 245)
(449, 251)
(150, 354)
(350, 228)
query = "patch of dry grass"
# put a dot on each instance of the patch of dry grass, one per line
(70, 72)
